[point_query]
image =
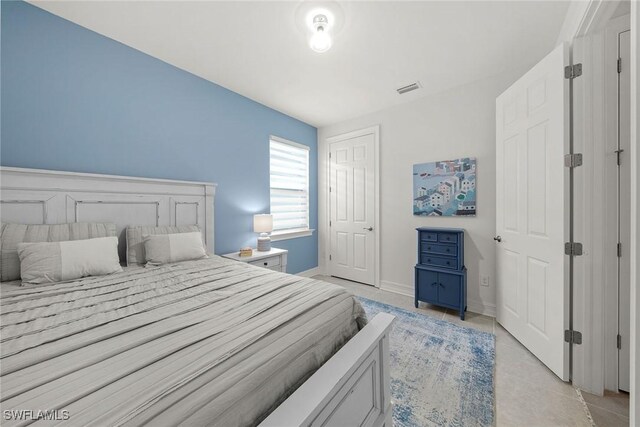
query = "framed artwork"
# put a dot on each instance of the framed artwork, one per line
(445, 188)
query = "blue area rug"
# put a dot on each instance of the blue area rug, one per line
(441, 373)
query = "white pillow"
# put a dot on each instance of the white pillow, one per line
(50, 262)
(164, 248)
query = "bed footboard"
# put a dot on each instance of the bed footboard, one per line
(353, 388)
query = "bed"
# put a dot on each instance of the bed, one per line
(205, 342)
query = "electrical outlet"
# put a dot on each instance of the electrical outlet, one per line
(485, 281)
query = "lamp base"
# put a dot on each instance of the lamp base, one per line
(264, 244)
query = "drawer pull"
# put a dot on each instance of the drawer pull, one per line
(441, 284)
(266, 263)
(434, 283)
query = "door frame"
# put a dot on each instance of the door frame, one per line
(375, 130)
(611, 261)
(593, 309)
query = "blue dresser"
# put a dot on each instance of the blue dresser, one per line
(441, 277)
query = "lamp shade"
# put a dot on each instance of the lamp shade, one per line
(263, 223)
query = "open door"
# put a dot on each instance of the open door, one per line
(532, 136)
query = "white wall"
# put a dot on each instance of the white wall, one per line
(456, 123)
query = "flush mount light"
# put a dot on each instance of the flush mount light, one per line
(320, 40)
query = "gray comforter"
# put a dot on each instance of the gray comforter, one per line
(209, 342)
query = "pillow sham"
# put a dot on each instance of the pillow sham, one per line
(50, 262)
(162, 249)
(14, 234)
(135, 239)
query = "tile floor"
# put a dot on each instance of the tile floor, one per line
(527, 392)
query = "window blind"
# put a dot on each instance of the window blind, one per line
(289, 170)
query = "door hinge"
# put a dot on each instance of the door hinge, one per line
(618, 152)
(329, 223)
(619, 249)
(573, 248)
(329, 154)
(572, 71)
(329, 189)
(572, 337)
(619, 341)
(329, 257)
(619, 65)
(573, 160)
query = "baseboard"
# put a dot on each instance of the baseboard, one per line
(480, 307)
(473, 306)
(397, 288)
(310, 273)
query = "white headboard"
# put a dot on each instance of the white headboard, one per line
(36, 196)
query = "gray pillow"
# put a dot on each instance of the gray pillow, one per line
(135, 239)
(13, 234)
(50, 262)
(165, 248)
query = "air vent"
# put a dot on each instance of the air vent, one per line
(408, 88)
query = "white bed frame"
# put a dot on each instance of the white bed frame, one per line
(351, 389)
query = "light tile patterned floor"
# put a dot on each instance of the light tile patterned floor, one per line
(527, 392)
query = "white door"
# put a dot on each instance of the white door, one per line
(531, 140)
(624, 219)
(352, 207)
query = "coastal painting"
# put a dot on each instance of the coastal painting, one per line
(445, 188)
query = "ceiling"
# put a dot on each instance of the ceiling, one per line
(260, 49)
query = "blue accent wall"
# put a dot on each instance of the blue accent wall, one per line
(74, 100)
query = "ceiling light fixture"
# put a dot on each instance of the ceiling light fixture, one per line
(320, 40)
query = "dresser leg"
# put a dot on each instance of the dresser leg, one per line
(462, 313)
(416, 303)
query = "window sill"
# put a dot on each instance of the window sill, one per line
(291, 234)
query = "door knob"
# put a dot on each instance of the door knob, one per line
(498, 239)
(368, 228)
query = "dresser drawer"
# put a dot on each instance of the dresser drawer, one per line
(447, 237)
(428, 236)
(270, 262)
(439, 261)
(434, 248)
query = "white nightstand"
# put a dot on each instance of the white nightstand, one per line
(275, 259)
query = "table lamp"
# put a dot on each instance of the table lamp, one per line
(263, 224)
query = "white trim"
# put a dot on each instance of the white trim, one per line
(479, 307)
(584, 17)
(589, 192)
(610, 280)
(286, 141)
(397, 288)
(278, 235)
(596, 16)
(634, 407)
(474, 306)
(309, 273)
(595, 301)
(323, 156)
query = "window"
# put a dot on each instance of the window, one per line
(289, 166)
